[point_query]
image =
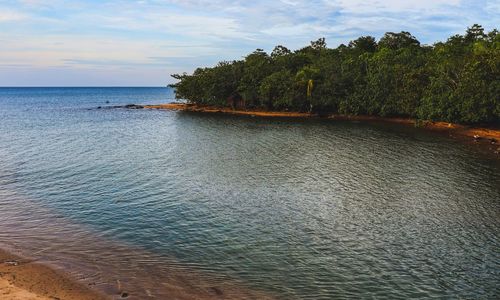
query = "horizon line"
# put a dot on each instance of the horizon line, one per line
(84, 86)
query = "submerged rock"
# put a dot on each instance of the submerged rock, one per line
(217, 290)
(133, 106)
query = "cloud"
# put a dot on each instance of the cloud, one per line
(60, 50)
(357, 6)
(9, 15)
(36, 3)
(170, 23)
(178, 35)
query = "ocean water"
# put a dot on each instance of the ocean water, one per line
(242, 206)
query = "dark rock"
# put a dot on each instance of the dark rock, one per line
(217, 290)
(124, 295)
(133, 106)
(107, 102)
(12, 263)
(99, 107)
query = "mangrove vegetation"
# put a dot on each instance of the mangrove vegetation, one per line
(453, 81)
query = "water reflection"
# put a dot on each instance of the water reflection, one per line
(305, 209)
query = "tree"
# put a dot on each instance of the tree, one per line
(255, 68)
(280, 51)
(306, 77)
(456, 81)
(276, 90)
(364, 44)
(474, 33)
(397, 41)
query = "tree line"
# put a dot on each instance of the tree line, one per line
(454, 81)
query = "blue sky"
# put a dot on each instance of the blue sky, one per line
(140, 43)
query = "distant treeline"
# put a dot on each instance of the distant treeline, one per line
(455, 81)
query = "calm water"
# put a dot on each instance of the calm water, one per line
(297, 209)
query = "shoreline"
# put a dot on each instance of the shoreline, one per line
(486, 136)
(53, 256)
(23, 278)
(26, 277)
(29, 278)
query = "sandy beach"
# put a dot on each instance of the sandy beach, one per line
(25, 279)
(21, 278)
(227, 110)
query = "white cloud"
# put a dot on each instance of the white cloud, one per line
(177, 35)
(8, 15)
(62, 50)
(169, 23)
(357, 6)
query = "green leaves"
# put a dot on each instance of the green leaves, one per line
(395, 41)
(455, 81)
(276, 90)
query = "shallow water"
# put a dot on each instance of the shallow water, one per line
(295, 208)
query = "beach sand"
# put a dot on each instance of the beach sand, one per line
(23, 279)
(227, 110)
(10, 291)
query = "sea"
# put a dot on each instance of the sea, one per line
(213, 206)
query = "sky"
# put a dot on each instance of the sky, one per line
(140, 43)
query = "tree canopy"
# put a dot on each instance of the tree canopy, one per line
(454, 81)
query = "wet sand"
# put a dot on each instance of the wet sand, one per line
(227, 110)
(51, 257)
(24, 279)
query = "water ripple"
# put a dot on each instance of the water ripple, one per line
(300, 209)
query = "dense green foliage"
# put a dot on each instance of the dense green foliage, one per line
(455, 81)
